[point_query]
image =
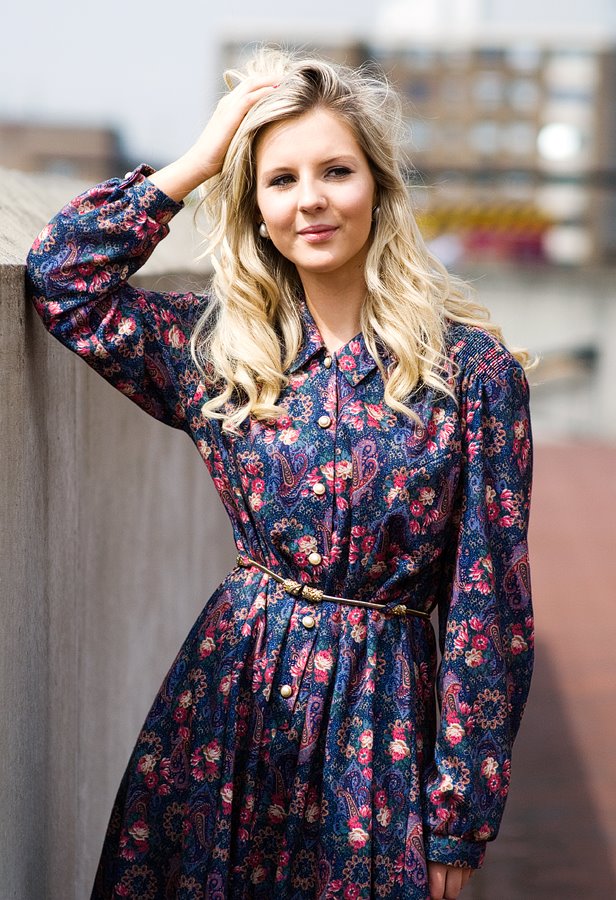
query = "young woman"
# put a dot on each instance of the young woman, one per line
(368, 431)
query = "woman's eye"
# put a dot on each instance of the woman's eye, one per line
(335, 172)
(281, 180)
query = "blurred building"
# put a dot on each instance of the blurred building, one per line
(82, 152)
(511, 144)
(514, 146)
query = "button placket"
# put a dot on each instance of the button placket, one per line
(326, 387)
(302, 634)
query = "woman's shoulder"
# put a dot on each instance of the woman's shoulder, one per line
(477, 351)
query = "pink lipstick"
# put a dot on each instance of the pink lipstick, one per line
(315, 234)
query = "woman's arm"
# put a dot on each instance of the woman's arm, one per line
(485, 616)
(79, 265)
(77, 272)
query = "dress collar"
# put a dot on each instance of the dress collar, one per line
(353, 359)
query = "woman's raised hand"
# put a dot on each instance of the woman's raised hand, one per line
(206, 156)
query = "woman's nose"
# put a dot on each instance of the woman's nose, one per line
(310, 195)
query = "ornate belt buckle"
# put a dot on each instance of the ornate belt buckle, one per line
(400, 610)
(292, 587)
(312, 594)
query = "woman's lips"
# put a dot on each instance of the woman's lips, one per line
(316, 237)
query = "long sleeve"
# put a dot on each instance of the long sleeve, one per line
(485, 616)
(77, 271)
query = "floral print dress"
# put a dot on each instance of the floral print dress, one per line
(299, 749)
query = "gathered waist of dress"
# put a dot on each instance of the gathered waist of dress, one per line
(316, 595)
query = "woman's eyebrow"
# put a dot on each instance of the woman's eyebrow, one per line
(346, 157)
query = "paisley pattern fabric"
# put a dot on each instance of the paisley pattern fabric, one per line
(302, 750)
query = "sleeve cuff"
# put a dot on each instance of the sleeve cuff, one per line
(455, 851)
(160, 206)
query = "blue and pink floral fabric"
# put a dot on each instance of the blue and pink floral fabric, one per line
(297, 750)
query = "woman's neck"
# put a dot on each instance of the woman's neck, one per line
(335, 309)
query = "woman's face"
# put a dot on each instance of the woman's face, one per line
(315, 193)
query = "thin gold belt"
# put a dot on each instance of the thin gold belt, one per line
(316, 595)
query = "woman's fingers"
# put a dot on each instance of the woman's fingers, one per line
(212, 145)
(255, 83)
(466, 874)
(446, 882)
(244, 92)
(436, 880)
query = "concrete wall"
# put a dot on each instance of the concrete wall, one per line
(111, 539)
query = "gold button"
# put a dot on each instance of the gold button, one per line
(308, 622)
(324, 421)
(318, 488)
(314, 558)
(286, 690)
(327, 362)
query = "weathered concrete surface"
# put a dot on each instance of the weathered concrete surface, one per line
(111, 539)
(27, 202)
(24, 644)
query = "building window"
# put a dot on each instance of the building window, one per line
(420, 135)
(483, 137)
(490, 56)
(487, 89)
(523, 94)
(519, 138)
(419, 90)
(523, 57)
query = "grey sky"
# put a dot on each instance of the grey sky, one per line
(152, 70)
(149, 69)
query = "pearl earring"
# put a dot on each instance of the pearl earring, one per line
(263, 230)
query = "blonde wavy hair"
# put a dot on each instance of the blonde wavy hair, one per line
(251, 330)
